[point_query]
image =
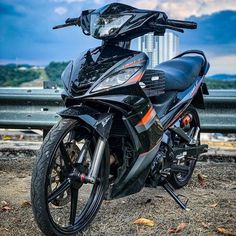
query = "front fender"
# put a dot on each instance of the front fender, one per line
(100, 122)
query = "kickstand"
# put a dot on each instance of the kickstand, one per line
(166, 185)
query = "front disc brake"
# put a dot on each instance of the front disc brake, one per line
(59, 174)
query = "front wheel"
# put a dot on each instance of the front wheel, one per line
(62, 204)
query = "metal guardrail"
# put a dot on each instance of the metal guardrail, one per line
(37, 108)
(220, 112)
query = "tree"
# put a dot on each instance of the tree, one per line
(54, 71)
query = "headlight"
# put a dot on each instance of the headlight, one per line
(116, 79)
(103, 26)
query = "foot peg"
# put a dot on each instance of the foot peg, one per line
(166, 185)
(191, 151)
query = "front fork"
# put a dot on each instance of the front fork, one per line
(96, 163)
(101, 124)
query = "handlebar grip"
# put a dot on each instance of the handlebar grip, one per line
(182, 24)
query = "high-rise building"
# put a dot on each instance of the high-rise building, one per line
(159, 48)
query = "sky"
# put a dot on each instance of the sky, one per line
(26, 34)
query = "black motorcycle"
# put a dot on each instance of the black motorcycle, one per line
(124, 126)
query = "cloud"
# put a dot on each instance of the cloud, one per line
(214, 33)
(146, 4)
(218, 65)
(182, 9)
(60, 10)
(19, 38)
(68, 1)
(99, 2)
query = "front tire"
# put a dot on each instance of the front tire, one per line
(56, 198)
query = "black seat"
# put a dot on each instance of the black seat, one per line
(181, 72)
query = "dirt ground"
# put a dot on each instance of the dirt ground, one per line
(212, 204)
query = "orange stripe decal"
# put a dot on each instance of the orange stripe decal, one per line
(147, 117)
(136, 78)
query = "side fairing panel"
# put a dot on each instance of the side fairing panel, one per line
(147, 126)
(90, 66)
(134, 181)
(146, 132)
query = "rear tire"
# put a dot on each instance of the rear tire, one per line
(176, 179)
(51, 168)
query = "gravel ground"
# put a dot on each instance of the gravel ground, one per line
(212, 205)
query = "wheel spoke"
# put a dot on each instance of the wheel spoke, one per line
(58, 191)
(73, 208)
(82, 154)
(65, 156)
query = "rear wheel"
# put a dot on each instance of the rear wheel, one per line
(62, 204)
(179, 180)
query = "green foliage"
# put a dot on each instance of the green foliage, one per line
(14, 76)
(54, 71)
(220, 84)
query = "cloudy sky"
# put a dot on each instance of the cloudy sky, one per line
(26, 35)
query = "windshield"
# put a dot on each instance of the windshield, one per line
(104, 26)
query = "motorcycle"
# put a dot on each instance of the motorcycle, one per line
(124, 127)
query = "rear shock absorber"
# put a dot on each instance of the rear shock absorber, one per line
(185, 121)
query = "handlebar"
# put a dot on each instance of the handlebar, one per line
(162, 23)
(69, 22)
(182, 24)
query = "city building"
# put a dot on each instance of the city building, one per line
(159, 48)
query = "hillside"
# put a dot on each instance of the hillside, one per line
(222, 77)
(54, 71)
(31, 76)
(220, 84)
(14, 76)
(37, 82)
